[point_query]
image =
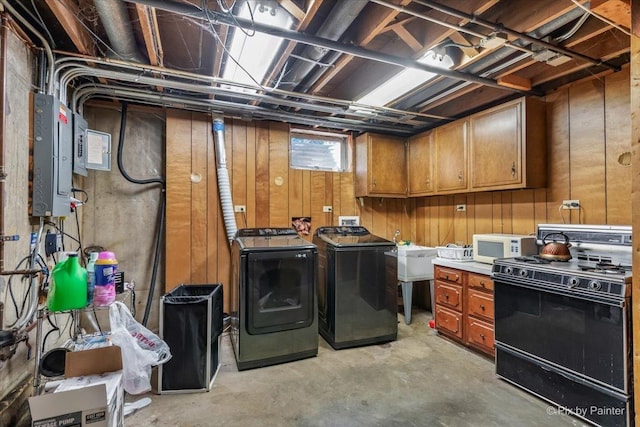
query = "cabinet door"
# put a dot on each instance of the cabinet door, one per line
(387, 170)
(451, 157)
(380, 166)
(480, 335)
(448, 321)
(420, 165)
(496, 146)
(449, 295)
(480, 303)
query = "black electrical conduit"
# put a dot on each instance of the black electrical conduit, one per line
(161, 210)
(234, 21)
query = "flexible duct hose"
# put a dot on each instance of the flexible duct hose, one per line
(224, 189)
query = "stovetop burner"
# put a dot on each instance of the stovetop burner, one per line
(605, 268)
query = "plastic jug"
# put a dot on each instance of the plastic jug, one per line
(91, 276)
(106, 266)
(68, 290)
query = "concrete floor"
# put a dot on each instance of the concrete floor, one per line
(421, 379)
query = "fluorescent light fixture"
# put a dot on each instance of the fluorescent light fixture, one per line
(406, 80)
(254, 51)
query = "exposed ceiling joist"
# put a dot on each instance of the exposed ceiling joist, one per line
(67, 14)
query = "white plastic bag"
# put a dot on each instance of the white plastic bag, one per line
(141, 349)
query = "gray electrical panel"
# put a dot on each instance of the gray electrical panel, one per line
(79, 145)
(52, 156)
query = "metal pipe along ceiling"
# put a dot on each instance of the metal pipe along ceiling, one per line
(71, 67)
(219, 18)
(240, 111)
(117, 24)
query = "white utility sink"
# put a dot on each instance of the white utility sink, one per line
(414, 263)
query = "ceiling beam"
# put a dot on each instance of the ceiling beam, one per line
(407, 37)
(293, 9)
(149, 25)
(67, 14)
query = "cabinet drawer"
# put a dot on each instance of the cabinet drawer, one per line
(449, 295)
(480, 303)
(480, 281)
(480, 335)
(448, 321)
(448, 274)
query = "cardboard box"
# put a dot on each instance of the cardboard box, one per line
(92, 395)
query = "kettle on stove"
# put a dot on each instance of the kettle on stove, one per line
(555, 250)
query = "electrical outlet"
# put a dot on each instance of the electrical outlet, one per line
(240, 208)
(571, 204)
(327, 209)
(461, 208)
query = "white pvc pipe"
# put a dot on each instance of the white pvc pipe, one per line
(224, 189)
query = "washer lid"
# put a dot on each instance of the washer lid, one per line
(350, 236)
(271, 238)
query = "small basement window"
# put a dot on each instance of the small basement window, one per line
(321, 151)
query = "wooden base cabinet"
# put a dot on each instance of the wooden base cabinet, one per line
(464, 308)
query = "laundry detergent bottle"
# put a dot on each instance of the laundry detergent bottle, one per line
(68, 290)
(106, 266)
(91, 276)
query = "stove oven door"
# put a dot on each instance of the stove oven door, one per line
(588, 338)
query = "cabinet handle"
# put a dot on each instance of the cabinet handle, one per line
(460, 176)
(482, 283)
(374, 182)
(428, 181)
(482, 307)
(446, 296)
(446, 277)
(513, 169)
(482, 336)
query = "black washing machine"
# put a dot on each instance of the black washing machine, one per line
(273, 297)
(357, 301)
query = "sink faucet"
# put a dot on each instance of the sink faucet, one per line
(395, 236)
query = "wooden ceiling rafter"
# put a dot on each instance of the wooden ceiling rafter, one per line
(293, 9)
(67, 14)
(148, 21)
(404, 34)
(149, 24)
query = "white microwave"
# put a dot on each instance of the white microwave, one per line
(488, 247)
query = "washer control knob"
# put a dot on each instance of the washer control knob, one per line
(508, 270)
(524, 273)
(573, 282)
(594, 285)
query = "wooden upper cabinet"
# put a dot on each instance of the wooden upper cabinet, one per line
(451, 157)
(507, 146)
(380, 166)
(420, 180)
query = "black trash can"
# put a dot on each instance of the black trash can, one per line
(191, 323)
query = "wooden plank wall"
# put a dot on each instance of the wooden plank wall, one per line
(588, 128)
